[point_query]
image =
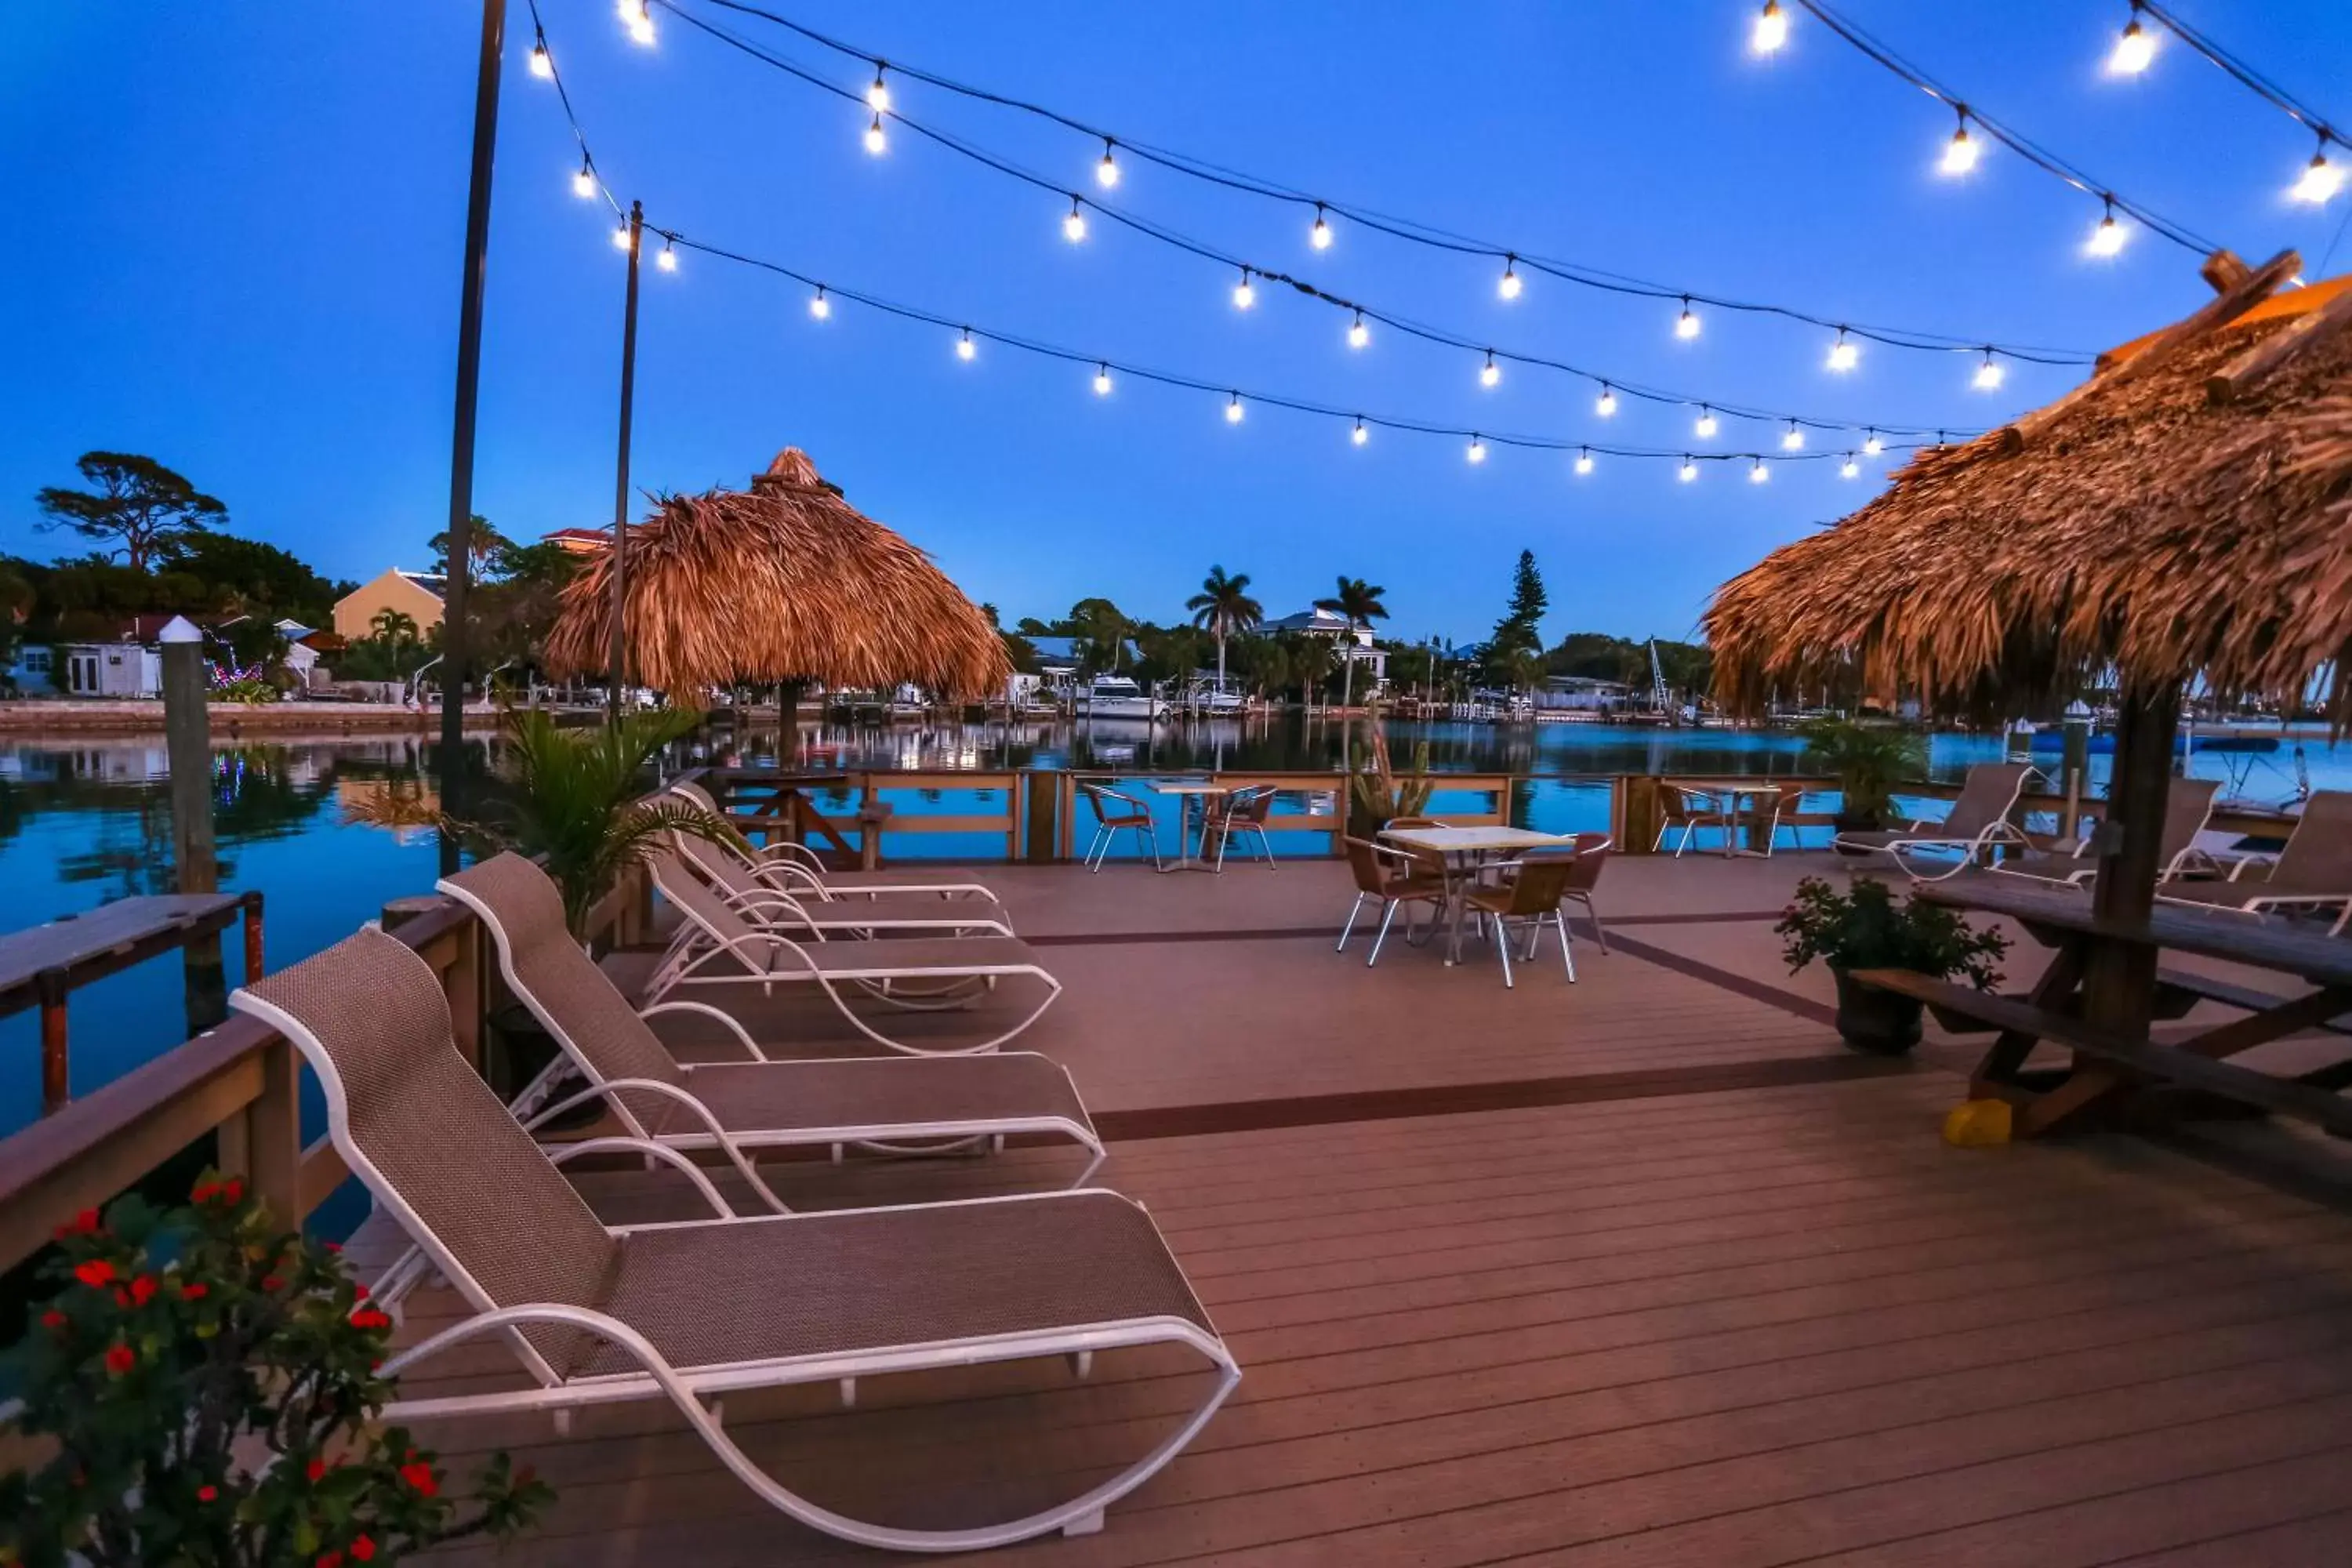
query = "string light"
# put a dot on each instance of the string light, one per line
(1988, 374)
(2107, 239)
(819, 306)
(583, 183)
(1849, 468)
(1705, 427)
(875, 141)
(1102, 379)
(1872, 444)
(1844, 354)
(1583, 460)
(1508, 287)
(1771, 29)
(621, 236)
(1687, 324)
(1960, 153)
(667, 259)
(2320, 179)
(542, 64)
(1243, 295)
(1606, 404)
(1792, 439)
(877, 97)
(1320, 236)
(1358, 334)
(1491, 373)
(1106, 172)
(965, 348)
(1233, 410)
(639, 16)
(1074, 228)
(1688, 471)
(2135, 48)
(1760, 473)
(1360, 435)
(1477, 452)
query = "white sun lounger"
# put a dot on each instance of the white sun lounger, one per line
(796, 869)
(801, 907)
(1978, 822)
(692, 1312)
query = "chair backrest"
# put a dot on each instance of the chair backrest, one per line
(572, 999)
(1364, 861)
(432, 1142)
(1988, 794)
(2318, 853)
(1431, 863)
(687, 789)
(1687, 800)
(2187, 805)
(1589, 854)
(698, 903)
(1094, 795)
(1251, 806)
(1540, 881)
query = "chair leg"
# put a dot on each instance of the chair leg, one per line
(1266, 844)
(1092, 862)
(1386, 916)
(1503, 951)
(1566, 959)
(1600, 932)
(1346, 930)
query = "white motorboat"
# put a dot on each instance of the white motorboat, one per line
(1117, 696)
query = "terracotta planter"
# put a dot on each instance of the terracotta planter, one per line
(1878, 1022)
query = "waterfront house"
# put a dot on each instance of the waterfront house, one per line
(1352, 644)
(416, 595)
(580, 541)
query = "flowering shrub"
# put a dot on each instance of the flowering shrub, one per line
(211, 1385)
(1866, 929)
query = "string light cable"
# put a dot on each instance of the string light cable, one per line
(2106, 237)
(1245, 294)
(588, 182)
(1332, 212)
(2321, 178)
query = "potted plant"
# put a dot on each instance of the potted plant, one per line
(1864, 928)
(206, 1389)
(1377, 793)
(1868, 760)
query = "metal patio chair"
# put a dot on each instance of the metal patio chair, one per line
(1115, 811)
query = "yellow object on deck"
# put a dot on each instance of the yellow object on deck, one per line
(1977, 1124)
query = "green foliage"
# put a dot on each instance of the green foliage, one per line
(244, 575)
(1378, 792)
(248, 693)
(1869, 760)
(1865, 929)
(135, 505)
(207, 1387)
(1360, 603)
(1223, 608)
(486, 548)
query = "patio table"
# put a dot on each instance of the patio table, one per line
(1463, 849)
(1187, 793)
(1732, 801)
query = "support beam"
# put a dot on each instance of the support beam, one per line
(2299, 336)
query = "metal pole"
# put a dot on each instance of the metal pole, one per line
(621, 483)
(455, 590)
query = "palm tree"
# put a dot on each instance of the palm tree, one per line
(1225, 607)
(1311, 665)
(1360, 602)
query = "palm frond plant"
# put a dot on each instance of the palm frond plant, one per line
(1869, 760)
(1377, 792)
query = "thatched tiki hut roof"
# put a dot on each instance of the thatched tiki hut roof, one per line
(2185, 515)
(786, 581)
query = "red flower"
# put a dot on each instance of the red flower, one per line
(271, 1282)
(369, 1317)
(204, 1191)
(122, 1297)
(82, 1223)
(338, 1246)
(120, 1360)
(331, 1560)
(231, 1191)
(420, 1475)
(206, 1494)
(95, 1272)
(53, 1318)
(362, 1550)
(195, 1293)
(143, 1290)
(359, 1292)
(318, 1467)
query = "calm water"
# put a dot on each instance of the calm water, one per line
(87, 821)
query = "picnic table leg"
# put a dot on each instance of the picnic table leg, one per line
(1996, 1073)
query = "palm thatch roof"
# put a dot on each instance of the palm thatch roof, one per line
(783, 582)
(2185, 513)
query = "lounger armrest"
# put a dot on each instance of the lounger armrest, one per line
(734, 1026)
(652, 1151)
(2253, 869)
(695, 1108)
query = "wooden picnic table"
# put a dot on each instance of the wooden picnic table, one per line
(2108, 1061)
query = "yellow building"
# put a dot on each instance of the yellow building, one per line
(416, 595)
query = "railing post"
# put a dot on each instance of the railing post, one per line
(252, 969)
(56, 1076)
(273, 1135)
(468, 996)
(1636, 809)
(1044, 814)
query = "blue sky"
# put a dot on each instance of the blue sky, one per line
(238, 230)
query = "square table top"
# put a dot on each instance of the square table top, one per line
(1467, 840)
(1194, 786)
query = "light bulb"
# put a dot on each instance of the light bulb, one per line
(639, 15)
(542, 64)
(1849, 468)
(1584, 460)
(2135, 48)
(1243, 295)
(2107, 239)
(876, 140)
(583, 183)
(1320, 236)
(1477, 453)
(621, 236)
(1687, 324)
(820, 306)
(1233, 410)
(1771, 29)
(1102, 380)
(1509, 286)
(1760, 473)
(1606, 405)
(1872, 445)
(1358, 334)
(1844, 354)
(2320, 180)
(1074, 228)
(1792, 439)
(1960, 153)
(1988, 374)
(1106, 172)
(1490, 374)
(1688, 471)
(877, 97)
(1704, 426)
(1360, 435)
(965, 347)
(667, 259)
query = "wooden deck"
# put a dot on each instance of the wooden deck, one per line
(1648, 1270)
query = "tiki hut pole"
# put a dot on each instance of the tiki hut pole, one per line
(2119, 980)
(620, 556)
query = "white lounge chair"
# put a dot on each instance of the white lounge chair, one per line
(717, 946)
(797, 868)
(2187, 802)
(692, 1312)
(1978, 824)
(802, 906)
(2312, 872)
(894, 1104)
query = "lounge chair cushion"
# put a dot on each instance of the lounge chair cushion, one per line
(754, 1098)
(824, 1284)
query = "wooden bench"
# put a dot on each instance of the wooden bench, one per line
(2284, 1096)
(2191, 987)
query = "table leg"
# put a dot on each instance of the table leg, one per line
(1997, 1071)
